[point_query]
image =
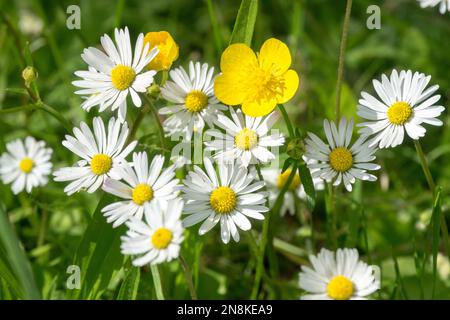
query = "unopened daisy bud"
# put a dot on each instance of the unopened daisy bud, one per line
(29, 74)
(296, 148)
(168, 50)
(153, 91)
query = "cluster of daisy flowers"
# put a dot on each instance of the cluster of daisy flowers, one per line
(236, 111)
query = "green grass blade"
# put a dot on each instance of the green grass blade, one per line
(129, 288)
(215, 27)
(435, 225)
(245, 22)
(16, 257)
(308, 185)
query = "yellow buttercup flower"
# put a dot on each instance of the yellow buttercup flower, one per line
(257, 81)
(168, 50)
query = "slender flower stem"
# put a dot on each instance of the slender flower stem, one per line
(265, 231)
(432, 185)
(158, 122)
(188, 275)
(157, 282)
(287, 120)
(142, 112)
(343, 45)
(56, 114)
(331, 216)
(42, 228)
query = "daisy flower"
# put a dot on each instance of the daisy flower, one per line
(340, 276)
(116, 73)
(405, 104)
(444, 5)
(25, 165)
(144, 184)
(337, 160)
(256, 81)
(193, 100)
(245, 139)
(230, 197)
(103, 154)
(276, 180)
(158, 238)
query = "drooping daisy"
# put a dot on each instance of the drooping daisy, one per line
(257, 81)
(103, 154)
(116, 73)
(193, 100)
(230, 197)
(245, 139)
(444, 5)
(276, 180)
(144, 184)
(158, 238)
(337, 160)
(27, 165)
(405, 104)
(340, 276)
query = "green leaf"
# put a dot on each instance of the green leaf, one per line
(435, 224)
(287, 163)
(98, 255)
(128, 289)
(308, 185)
(245, 22)
(16, 259)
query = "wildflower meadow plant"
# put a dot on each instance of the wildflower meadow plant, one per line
(256, 143)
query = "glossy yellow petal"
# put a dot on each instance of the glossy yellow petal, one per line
(237, 58)
(228, 90)
(291, 82)
(274, 55)
(168, 50)
(258, 108)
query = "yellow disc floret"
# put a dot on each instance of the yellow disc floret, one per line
(283, 178)
(122, 77)
(101, 164)
(161, 238)
(341, 159)
(399, 113)
(340, 288)
(142, 193)
(223, 200)
(196, 101)
(246, 139)
(26, 165)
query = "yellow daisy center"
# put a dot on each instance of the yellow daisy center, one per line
(246, 139)
(223, 200)
(142, 193)
(341, 159)
(283, 178)
(340, 288)
(196, 101)
(265, 85)
(161, 238)
(26, 165)
(122, 77)
(101, 164)
(399, 113)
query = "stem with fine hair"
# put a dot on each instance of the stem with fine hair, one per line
(157, 282)
(158, 122)
(343, 45)
(432, 186)
(188, 275)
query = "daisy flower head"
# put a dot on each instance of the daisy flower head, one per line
(246, 138)
(276, 180)
(192, 100)
(167, 50)
(114, 74)
(338, 276)
(158, 237)
(404, 104)
(444, 5)
(143, 185)
(103, 152)
(338, 161)
(25, 164)
(256, 81)
(230, 197)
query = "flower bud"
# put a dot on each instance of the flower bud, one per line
(29, 74)
(296, 148)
